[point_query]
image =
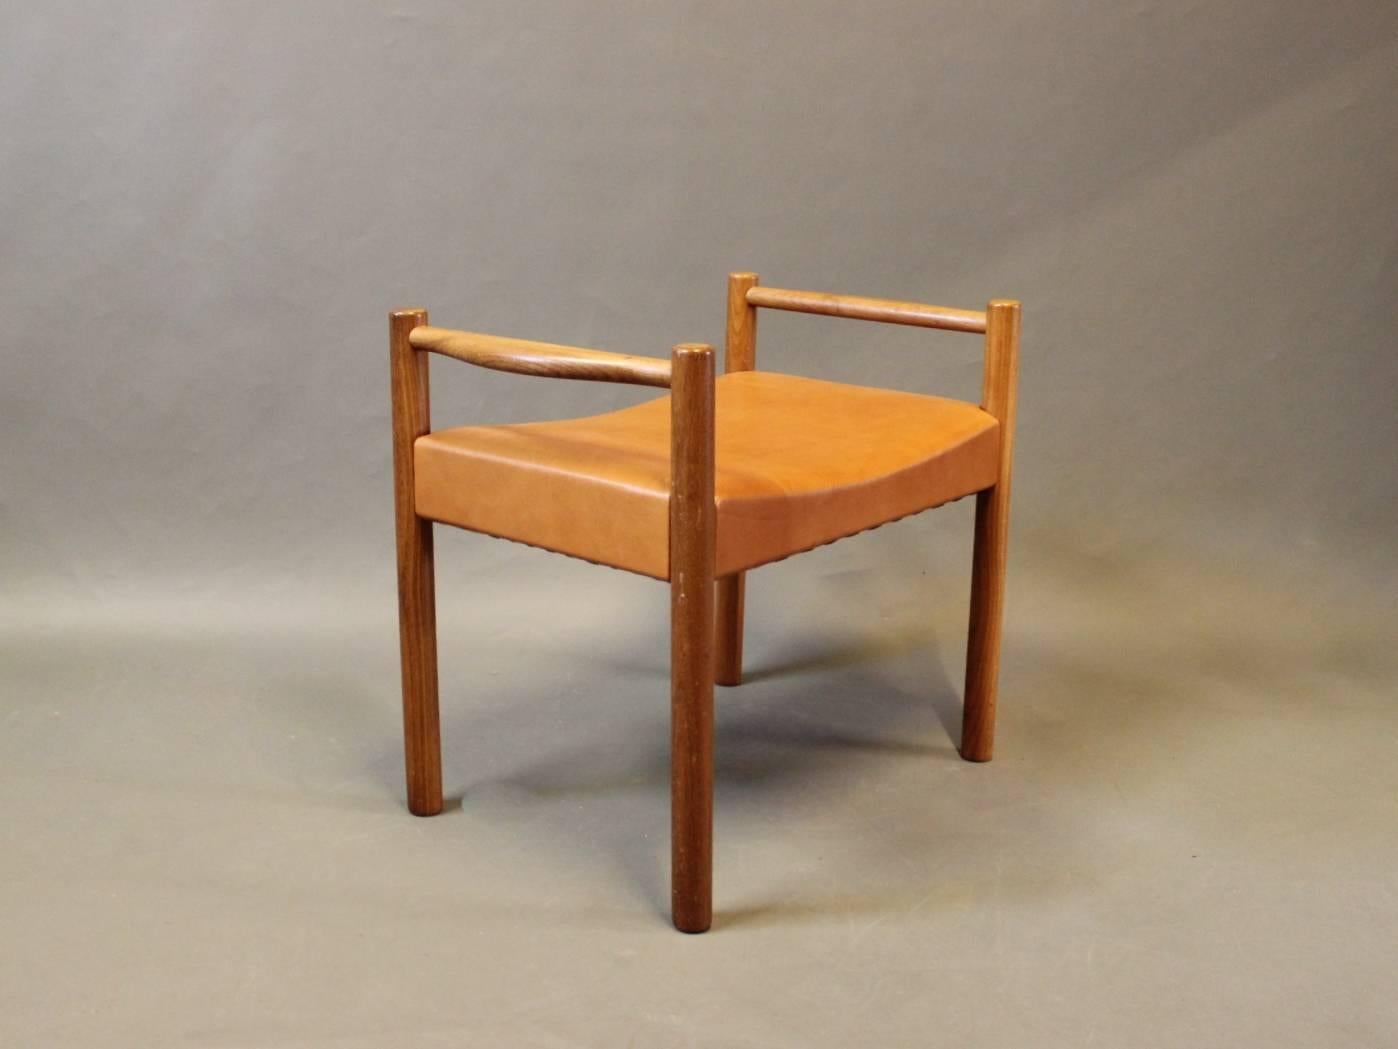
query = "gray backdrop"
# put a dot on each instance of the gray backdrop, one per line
(209, 209)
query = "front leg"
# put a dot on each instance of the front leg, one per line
(692, 532)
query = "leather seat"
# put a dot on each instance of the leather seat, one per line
(798, 462)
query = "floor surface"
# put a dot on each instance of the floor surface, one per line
(1189, 836)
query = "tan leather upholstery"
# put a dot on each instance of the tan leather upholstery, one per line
(800, 462)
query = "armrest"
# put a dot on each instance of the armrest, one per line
(540, 358)
(886, 310)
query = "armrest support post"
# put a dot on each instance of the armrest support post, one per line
(693, 528)
(739, 355)
(992, 537)
(417, 610)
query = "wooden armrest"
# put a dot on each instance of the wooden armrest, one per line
(886, 310)
(540, 358)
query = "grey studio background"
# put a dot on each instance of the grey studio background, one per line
(1188, 834)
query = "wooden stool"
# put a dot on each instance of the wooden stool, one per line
(695, 488)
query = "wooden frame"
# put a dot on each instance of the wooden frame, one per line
(998, 394)
(857, 308)
(692, 535)
(691, 373)
(417, 602)
(739, 355)
(540, 358)
(706, 639)
(1000, 325)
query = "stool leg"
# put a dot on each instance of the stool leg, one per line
(740, 355)
(987, 610)
(691, 754)
(728, 666)
(692, 518)
(998, 394)
(417, 604)
(417, 633)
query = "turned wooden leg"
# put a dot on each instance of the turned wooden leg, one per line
(692, 519)
(728, 663)
(992, 538)
(417, 606)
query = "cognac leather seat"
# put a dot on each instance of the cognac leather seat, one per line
(798, 463)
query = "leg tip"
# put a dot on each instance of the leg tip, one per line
(979, 756)
(692, 927)
(691, 913)
(425, 806)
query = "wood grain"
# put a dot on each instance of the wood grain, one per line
(417, 609)
(739, 354)
(541, 358)
(857, 308)
(692, 534)
(740, 340)
(998, 396)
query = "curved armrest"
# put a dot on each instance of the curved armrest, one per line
(858, 308)
(540, 358)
